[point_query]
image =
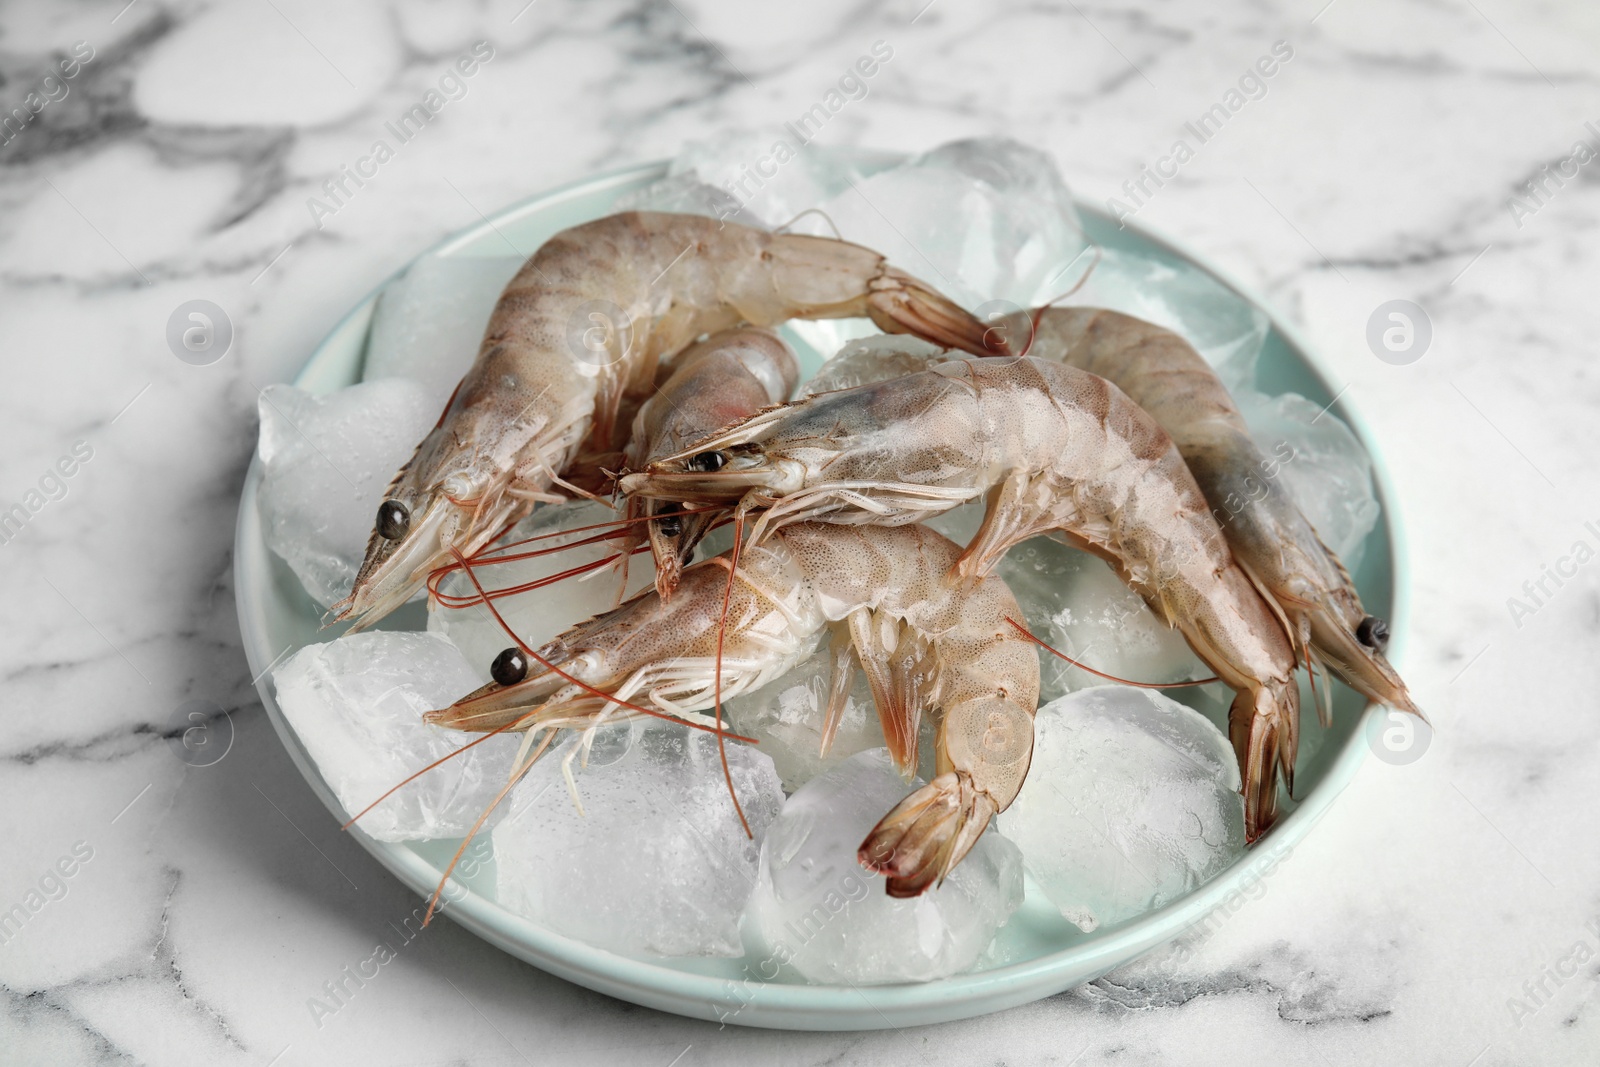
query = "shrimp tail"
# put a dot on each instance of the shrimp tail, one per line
(817, 277)
(900, 303)
(925, 835)
(1263, 725)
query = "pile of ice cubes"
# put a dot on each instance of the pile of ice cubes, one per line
(626, 837)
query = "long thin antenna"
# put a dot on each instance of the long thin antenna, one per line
(1102, 674)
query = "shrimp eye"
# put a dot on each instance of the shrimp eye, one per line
(707, 462)
(509, 667)
(393, 520)
(1373, 632)
(670, 523)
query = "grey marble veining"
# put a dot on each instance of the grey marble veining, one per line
(1445, 912)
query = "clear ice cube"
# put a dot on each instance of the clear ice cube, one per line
(657, 863)
(1132, 800)
(1323, 467)
(430, 320)
(815, 909)
(801, 176)
(1223, 327)
(1077, 604)
(326, 461)
(988, 222)
(981, 220)
(537, 615)
(357, 704)
(785, 718)
(687, 194)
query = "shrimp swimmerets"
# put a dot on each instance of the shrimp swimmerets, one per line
(1270, 537)
(727, 377)
(574, 343)
(925, 642)
(1057, 451)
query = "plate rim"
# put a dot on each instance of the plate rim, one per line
(825, 1007)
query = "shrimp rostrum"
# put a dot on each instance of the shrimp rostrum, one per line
(926, 644)
(1054, 450)
(574, 345)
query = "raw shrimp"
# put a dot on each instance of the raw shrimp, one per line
(1270, 537)
(1057, 451)
(576, 340)
(926, 643)
(717, 382)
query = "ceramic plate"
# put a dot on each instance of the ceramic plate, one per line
(1037, 954)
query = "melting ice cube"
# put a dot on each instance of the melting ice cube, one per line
(357, 704)
(1322, 465)
(537, 615)
(429, 321)
(657, 863)
(817, 910)
(1222, 326)
(326, 461)
(785, 717)
(1076, 603)
(1132, 800)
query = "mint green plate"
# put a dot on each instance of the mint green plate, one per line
(1037, 954)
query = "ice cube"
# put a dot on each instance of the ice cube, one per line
(980, 220)
(801, 176)
(785, 718)
(817, 910)
(536, 615)
(657, 864)
(987, 222)
(1132, 800)
(1324, 468)
(430, 320)
(687, 194)
(1077, 604)
(326, 461)
(357, 704)
(1222, 326)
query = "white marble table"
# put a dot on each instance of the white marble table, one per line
(1447, 912)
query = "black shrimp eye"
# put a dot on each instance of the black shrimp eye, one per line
(509, 667)
(707, 462)
(1373, 632)
(670, 523)
(393, 520)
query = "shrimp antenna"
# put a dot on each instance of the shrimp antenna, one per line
(1038, 313)
(452, 600)
(1102, 674)
(564, 676)
(516, 776)
(823, 215)
(492, 554)
(722, 632)
(448, 756)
